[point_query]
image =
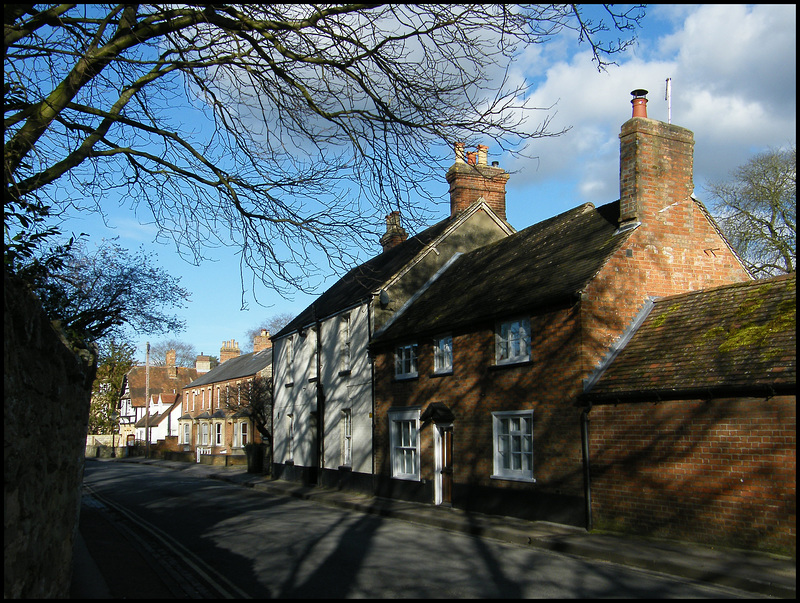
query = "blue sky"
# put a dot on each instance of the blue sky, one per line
(733, 74)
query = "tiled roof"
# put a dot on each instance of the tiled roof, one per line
(358, 284)
(245, 365)
(160, 382)
(730, 340)
(544, 264)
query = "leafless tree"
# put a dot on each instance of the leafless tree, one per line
(757, 210)
(93, 292)
(272, 325)
(254, 398)
(185, 353)
(286, 131)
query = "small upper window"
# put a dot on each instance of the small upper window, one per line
(405, 361)
(344, 341)
(513, 341)
(443, 354)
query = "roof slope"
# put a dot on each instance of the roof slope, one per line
(245, 365)
(160, 382)
(531, 269)
(733, 339)
(357, 285)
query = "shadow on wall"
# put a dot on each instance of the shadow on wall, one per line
(45, 419)
(716, 471)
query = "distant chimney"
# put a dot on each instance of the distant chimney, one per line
(262, 342)
(472, 179)
(395, 234)
(229, 349)
(656, 163)
(172, 370)
(203, 363)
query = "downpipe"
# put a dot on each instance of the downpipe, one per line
(587, 482)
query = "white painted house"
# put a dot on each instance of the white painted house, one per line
(162, 418)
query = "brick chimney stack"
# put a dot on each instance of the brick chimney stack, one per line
(261, 342)
(656, 165)
(172, 370)
(473, 178)
(395, 234)
(229, 349)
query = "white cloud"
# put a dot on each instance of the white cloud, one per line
(737, 49)
(734, 86)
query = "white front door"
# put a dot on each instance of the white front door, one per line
(443, 445)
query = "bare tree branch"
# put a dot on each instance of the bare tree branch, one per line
(757, 211)
(287, 131)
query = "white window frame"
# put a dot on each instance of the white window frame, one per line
(218, 434)
(513, 445)
(289, 355)
(290, 452)
(404, 440)
(443, 354)
(347, 437)
(187, 433)
(243, 433)
(204, 434)
(405, 361)
(344, 339)
(513, 341)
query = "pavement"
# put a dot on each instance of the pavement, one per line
(755, 572)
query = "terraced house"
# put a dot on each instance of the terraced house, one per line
(488, 372)
(324, 405)
(224, 408)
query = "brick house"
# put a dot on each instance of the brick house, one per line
(489, 417)
(693, 421)
(323, 412)
(215, 418)
(168, 379)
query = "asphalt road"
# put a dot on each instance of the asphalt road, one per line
(156, 533)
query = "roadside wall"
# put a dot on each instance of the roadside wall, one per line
(46, 394)
(721, 472)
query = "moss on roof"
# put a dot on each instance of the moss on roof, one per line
(737, 336)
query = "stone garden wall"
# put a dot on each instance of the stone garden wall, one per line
(46, 393)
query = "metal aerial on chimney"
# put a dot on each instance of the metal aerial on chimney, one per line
(668, 98)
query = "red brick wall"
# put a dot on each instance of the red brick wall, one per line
(476, 388)
(719, 472)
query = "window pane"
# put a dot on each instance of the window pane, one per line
(502, 444)
(405, 362)
(513, 340)
(513, 440)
